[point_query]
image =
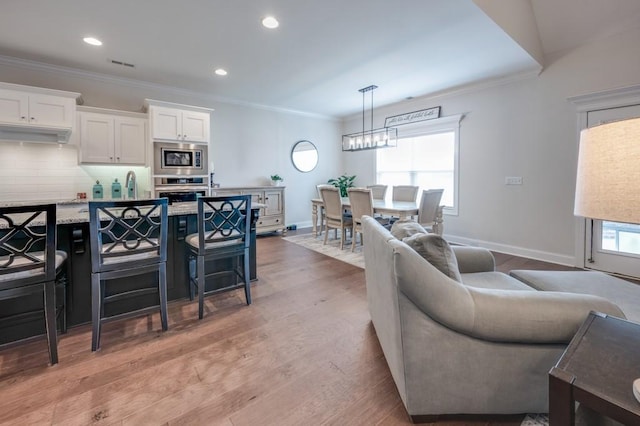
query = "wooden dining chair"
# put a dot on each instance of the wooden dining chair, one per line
(321, 212)
(404, 193)
(429, 210)
(378, 192)
(361, 201)
(30, 264)
(224, 227)
(128, 238)
(334, 214)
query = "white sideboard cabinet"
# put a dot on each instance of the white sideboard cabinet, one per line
(272, 215)
(112, 137)
(26, 110)
(179, 123)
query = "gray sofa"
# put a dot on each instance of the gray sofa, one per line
(481, 346)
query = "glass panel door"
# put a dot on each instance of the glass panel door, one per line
(613, 246)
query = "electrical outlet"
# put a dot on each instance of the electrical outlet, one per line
(513, 180)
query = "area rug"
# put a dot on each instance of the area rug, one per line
(332, 249)
(536, 420)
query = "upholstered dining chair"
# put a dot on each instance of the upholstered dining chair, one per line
(127, 238)
(361, 200)
(30, 263)
(404, 193)
(224, 227)
(321, 213)
(335, 217)
(378, 192)
(428, 211)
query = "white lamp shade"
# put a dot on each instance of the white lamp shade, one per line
(608, 178)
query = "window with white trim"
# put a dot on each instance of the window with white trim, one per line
(426, 156)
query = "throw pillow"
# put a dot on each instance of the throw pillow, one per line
(435, 250)
(405, 228)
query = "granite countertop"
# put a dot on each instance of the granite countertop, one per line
(77, 211)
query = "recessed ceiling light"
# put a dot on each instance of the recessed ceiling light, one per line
(270, 22)
(221, 71)
(92, 41)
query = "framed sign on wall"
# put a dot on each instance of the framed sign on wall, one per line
(412, 117)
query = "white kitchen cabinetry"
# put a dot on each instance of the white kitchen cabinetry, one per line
(179, 123)
(28, 111)
(112, 137)
(272, 215)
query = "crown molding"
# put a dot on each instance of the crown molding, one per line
(611, 98)
(140, 84)
(459, 90)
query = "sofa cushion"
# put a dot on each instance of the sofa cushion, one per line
(405, 228)
(437, 252)
(493, 280)
(623, 293)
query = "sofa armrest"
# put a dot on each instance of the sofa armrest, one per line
(533, 316)
(474, 259)
(510, 316)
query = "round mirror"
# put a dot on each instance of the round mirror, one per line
(304, 156)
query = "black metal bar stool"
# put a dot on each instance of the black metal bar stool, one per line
(127, 238)
(30, 264)
(224, 225)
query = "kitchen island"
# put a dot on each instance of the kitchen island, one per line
(73, 238)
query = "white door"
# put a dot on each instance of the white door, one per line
(167, 124)
(273, 200)
(613, 246)
(96, 138)
(45, 110)
(195, 127)
(14, 107)
(130, 141)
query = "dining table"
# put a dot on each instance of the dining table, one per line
(400, 209)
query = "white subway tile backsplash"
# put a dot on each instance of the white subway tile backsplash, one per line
(35, 172)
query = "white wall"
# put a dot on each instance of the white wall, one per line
(527, 128)
(248, 143)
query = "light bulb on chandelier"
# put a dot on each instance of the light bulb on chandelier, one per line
(370, 139)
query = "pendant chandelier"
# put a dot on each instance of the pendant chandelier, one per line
(370, 139)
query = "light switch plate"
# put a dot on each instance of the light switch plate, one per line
(513, 180)
(636, 389)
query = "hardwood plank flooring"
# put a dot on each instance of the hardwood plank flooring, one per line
(304, 353)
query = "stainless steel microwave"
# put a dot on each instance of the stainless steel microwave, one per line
(180, 159)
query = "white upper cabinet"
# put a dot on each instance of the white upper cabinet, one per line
(179, 123)
(130, 142)
(195, 126)
(112, 137)
(25, 110)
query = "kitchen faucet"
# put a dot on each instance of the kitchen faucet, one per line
(130, 184)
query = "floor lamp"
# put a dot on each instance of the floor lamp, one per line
(608, 177)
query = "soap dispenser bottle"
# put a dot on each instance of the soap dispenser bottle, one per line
(116, 189)
(97, 191)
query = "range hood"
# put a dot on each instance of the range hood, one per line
(36, 114)
(31, 133)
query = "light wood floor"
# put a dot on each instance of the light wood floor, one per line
(304, 353)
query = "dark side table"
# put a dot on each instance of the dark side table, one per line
(597, 370)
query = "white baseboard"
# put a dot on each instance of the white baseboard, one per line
(544, 256)
(305, 224)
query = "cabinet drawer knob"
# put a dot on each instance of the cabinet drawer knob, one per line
(23, 118)
(33, 119)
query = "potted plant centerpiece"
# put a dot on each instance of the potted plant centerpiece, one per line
(276, 179)
(342, 183)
